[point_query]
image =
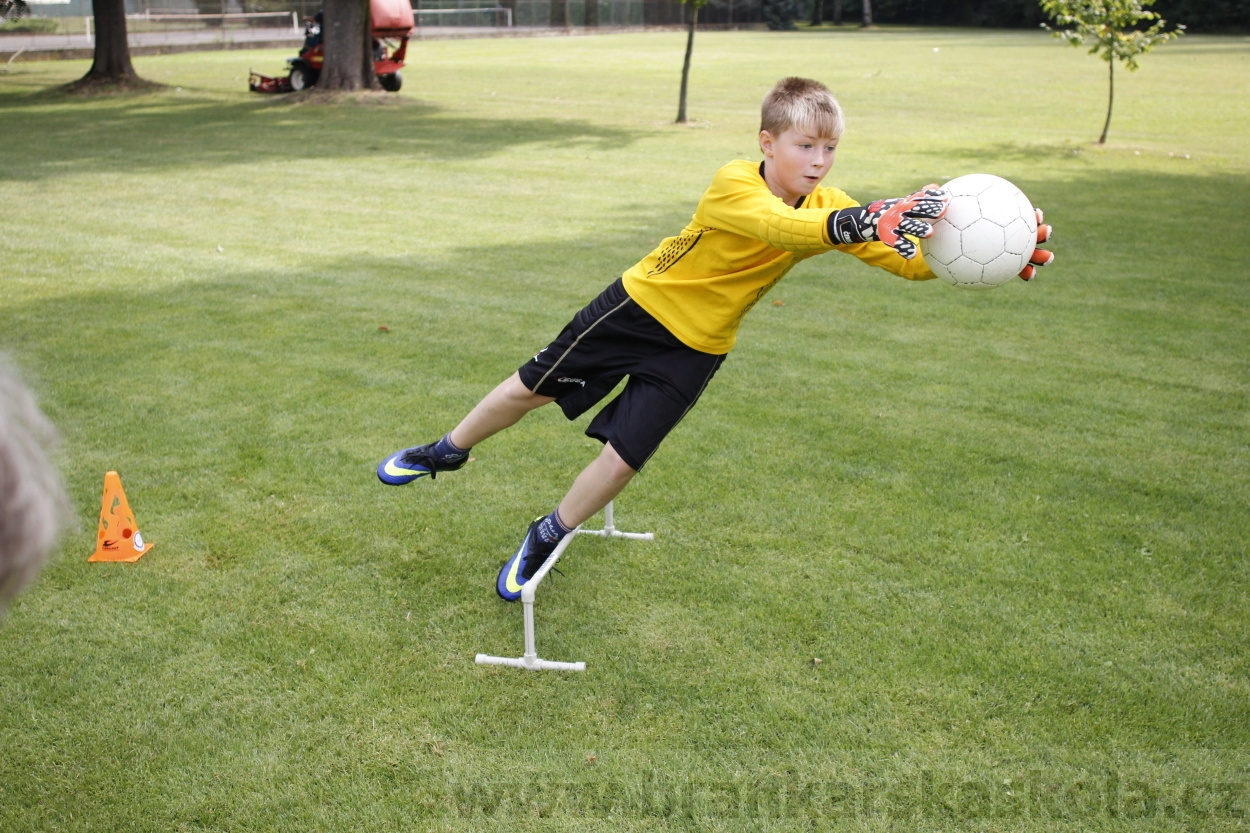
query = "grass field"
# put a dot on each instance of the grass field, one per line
(1011, 525)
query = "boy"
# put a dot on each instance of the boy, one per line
(668, 323)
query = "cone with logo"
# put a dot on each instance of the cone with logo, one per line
(118, 538)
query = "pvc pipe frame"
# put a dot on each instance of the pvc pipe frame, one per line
(530, 659)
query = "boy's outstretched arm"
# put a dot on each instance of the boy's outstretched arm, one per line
(888, 220)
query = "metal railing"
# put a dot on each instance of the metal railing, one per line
(472, 16)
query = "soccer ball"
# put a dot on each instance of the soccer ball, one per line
(986, 236)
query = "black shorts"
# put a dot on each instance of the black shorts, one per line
(611, 338)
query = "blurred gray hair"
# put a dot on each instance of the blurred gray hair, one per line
(33, 506)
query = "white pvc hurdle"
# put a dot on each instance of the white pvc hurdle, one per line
(530, 659)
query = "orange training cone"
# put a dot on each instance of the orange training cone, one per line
(118, 538)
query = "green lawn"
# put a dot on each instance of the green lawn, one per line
(1011, 525)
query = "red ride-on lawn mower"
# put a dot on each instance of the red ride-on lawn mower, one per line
(391, 19)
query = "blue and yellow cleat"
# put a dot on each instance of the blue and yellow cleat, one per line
(522, 566)
(406, 466)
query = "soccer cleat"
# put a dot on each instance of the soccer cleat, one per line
(406, 466)
(524, 563)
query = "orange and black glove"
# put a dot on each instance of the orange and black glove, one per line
(1040, 257)
(889, 220)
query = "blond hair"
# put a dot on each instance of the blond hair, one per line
(33, 506)
(804, 104)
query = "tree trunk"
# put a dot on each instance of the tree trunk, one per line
(559, 14)
(346, 34)
(685, 67)
(818, 12)
(112, 52)
(837, 12)
(592, 13)
(867, 14)
(1102, 140)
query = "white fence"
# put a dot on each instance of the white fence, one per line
(177, 20)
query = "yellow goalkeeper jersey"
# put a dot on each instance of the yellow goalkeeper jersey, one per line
(740, 242)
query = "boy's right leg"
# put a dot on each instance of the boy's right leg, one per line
(502, 408)
(514, 398)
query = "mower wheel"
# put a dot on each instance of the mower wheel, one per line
(302, 77)
(391, 81)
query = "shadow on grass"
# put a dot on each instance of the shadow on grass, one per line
(62, 135)
(1105, 251)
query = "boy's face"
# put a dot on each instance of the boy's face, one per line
(796, 162)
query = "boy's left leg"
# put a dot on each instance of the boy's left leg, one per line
(598, 484)
(662, 388)
(595, 487)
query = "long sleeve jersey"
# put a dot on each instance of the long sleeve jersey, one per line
(740, 242)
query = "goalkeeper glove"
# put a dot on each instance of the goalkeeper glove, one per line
(888, 220)
(1040, 257)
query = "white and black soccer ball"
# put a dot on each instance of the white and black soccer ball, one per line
(986, 235)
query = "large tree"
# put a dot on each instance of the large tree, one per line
(347, 35)
(1111, 25)
(110, 65)
(694, 6)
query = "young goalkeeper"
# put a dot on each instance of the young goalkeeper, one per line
(669, 322)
